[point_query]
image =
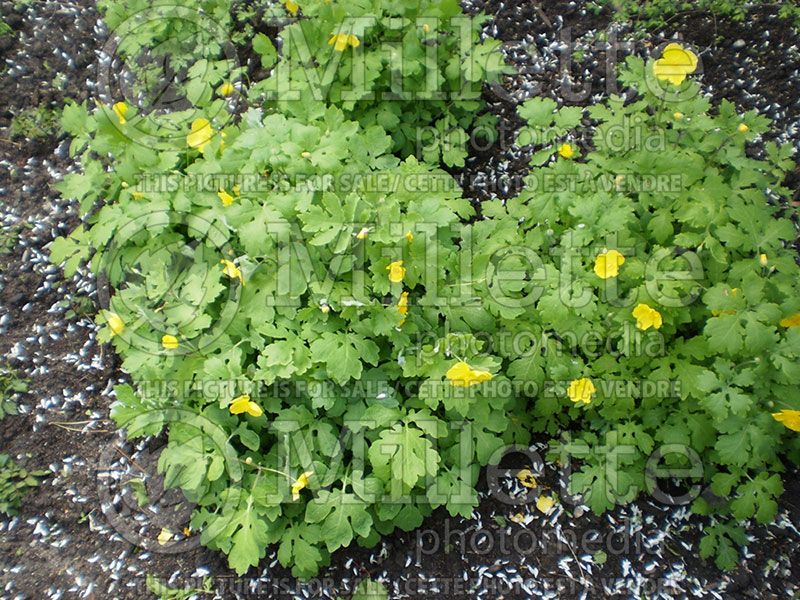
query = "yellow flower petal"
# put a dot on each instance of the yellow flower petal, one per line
(115, 323)
(463, 375)
(526, 478)
(545, 504)
(362, 235)
(339, 41)
(353, 41)
(170, 342)
(226, 198)
(291, 7)
(517, 518)
(231, 270)
(243, 404)
(607, 264)
(743, 128)
(165, 536)
(396, 271)
(791, 321)
(675, 64)
(790, 418)
(566, 151)
(120, 109)
(409, 237)
(300, 484)
(226, 89)
(647, 317)
(763, 260)
(200, 135)
(581, 390)
(402, 304)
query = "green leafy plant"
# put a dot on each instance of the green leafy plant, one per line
(335, 345)
(15, 482)
(10, 386)
(304, 318)
(5, 29)
(416, 69)
(175, 55)
(657, 14)
(707, 245)
(35, 123)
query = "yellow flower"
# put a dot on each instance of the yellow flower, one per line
(581, 390)
(362, 235)
(115, 323)
(545, 504)
(409, 237)
(243, 404)
(675, 64)
(607, 264)
(237, 190)
(790, 418)
(526, 478)
(226, 198)
(517, 518)
(201, 134)
(426, 28)
(291, 7)
(791, 321)
(462, 375)
(402, 304)
(763, 260)
(743, 128)
(137, 195)
(187, 531)
(120, 109)
(396, 271)
(165, 536)
(647, 317)
(678, 116)
(300, 484)
(566, 151)
(340, 41)
(226, 89)
(170, 342)
(325, 309)
(231, 270)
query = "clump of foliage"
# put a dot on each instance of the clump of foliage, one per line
(657, 14)
(14, 484)
(335, 345)
(5, 29)
(169, 58)
(10, 386)
(708, 249)
(416, 69)
(35, 123)
(319, 345)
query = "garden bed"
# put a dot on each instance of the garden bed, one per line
(63, 543)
